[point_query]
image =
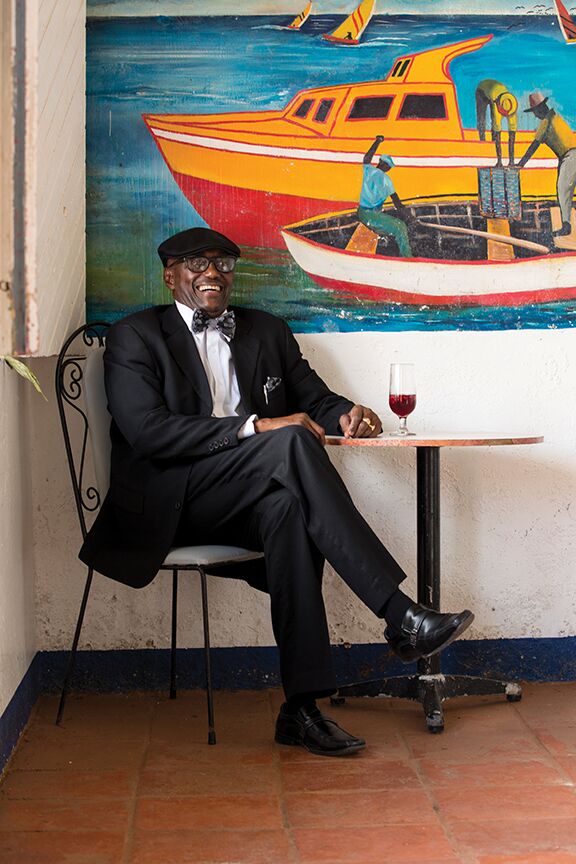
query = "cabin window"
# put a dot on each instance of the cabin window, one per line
(323, 110)
(418, 106)
(304, 108)
(400, 68)
(371, 108)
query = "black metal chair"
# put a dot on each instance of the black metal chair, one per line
(80, 395)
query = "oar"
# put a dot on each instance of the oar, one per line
(500, 238)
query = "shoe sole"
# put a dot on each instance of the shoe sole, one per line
(462, 627)
(292, 742)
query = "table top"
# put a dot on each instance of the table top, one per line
(437, 439)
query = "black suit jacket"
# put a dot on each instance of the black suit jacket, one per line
(161, 406)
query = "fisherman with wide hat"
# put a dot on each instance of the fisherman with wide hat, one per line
(494, 95)
(557, 134)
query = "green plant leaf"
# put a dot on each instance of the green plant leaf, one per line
(24, 371)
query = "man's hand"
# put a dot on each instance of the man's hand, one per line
(360, 422)
(379, 138)
(269, 424)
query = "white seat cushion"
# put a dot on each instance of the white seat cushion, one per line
(182, 556)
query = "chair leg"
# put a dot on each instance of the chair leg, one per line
(73, 650)
(173, 640)
(211, 729)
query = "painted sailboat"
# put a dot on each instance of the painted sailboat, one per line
(460, 257)
(300, 19)
(250, 172)
(566, 21)
(350, 31)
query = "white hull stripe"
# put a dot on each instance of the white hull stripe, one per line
(336, 156)
(432, 278)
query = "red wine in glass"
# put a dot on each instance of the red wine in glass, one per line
(402, 398)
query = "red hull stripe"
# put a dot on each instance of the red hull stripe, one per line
(518, 298)
(249, 216)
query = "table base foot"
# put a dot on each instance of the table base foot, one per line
(431, 691)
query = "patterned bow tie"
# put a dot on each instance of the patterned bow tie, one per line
(226, 323)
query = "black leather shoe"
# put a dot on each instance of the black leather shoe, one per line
(425, 632)
(309, 728)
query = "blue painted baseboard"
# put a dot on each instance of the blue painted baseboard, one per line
(257, 668)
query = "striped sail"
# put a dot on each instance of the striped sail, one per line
(301, 18)
(351, 30)
(567, 23)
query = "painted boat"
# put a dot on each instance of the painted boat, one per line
(447, 268)
(566, 21)
(250, 172)
(350, 31)
(300, 19)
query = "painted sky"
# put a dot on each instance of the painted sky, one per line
(321, 7)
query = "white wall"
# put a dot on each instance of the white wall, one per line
(508, 523)
(17, 627)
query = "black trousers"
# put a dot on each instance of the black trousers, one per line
(279, 493)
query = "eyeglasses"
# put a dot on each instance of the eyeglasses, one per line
(200, 264)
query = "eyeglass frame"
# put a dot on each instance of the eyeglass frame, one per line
(209, 259)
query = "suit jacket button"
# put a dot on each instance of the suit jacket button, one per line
(178, 505)
(226, 440)
(211, 446)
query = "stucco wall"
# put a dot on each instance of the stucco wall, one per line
(507, 516)
(17, 628)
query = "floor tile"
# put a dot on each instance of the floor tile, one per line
(461, 775)
(212, 847)
(530, 858)
(61, 847)
(167, 755)
(558, 740)
(350, 774)
(354, 809)
(202, 779)
(84, 785)
(409, 844)
(62, 815)
(490, 803)
(515, 837)
(199, 813)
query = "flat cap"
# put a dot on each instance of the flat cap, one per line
(193, 241)
(386, 160)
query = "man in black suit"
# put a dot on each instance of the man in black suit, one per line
(218, 436)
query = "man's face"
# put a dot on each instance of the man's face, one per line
(541, 110)
(209, 290)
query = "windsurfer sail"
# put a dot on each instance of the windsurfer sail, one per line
(350, 31)
(567, 23)
(297, 23)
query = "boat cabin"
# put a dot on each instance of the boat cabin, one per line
(416, 100)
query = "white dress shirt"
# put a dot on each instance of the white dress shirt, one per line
(214, 350)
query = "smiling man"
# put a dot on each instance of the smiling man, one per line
(218, 436)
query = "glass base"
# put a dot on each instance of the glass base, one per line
(401, 433)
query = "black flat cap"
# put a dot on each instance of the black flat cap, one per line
(193, 241)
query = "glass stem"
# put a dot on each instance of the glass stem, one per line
(403, 428)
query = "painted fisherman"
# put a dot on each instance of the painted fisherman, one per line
(377, 187)
(557, 134)
(496, 97)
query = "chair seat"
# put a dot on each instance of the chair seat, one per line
(189, 556)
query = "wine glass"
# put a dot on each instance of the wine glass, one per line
(402, 399)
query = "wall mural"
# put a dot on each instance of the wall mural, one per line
(382, 168)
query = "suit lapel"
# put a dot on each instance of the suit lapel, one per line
(245, 349)
(182, 346)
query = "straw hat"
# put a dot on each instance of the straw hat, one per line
(507, 104)
(534, 100)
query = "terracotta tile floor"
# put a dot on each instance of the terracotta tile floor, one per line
(131, 780)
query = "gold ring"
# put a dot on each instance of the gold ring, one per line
(368, 423)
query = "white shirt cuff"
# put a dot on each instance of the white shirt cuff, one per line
(247, 429)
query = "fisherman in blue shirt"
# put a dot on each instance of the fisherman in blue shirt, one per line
(377, 187)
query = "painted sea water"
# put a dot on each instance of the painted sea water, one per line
(212, 64)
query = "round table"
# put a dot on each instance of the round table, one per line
(429, 686)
